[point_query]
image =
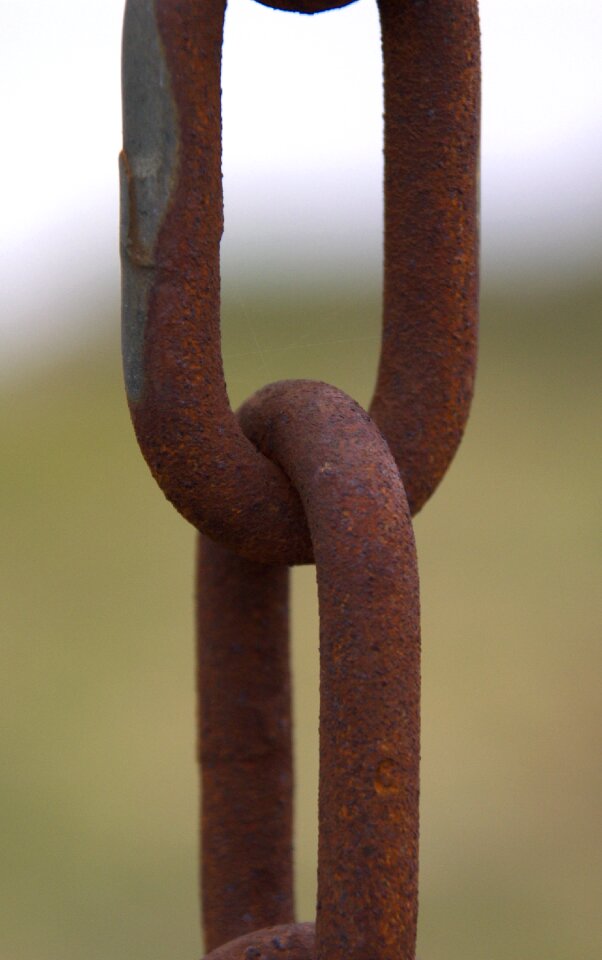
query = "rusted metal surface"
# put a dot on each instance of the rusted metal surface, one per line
(180, 408)
(244, 743)
(302, 473)
(363, 543)
(293, 941)
(430, 295)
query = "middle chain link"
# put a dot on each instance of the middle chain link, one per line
(365, 555)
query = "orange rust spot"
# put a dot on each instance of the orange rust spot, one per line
(388, 777)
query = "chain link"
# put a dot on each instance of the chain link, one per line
(302, 474)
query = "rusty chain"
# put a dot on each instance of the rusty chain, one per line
(302, 474)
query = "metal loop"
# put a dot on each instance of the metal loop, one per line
(363, 542)
(294, 941)
(305, 6)
(171, 230)
(245, 745)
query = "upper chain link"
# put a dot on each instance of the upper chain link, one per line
(172, 218)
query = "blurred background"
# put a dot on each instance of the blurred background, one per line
(98, 800)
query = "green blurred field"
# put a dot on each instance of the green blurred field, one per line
(99, 786)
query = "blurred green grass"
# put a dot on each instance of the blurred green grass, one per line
(99, 786)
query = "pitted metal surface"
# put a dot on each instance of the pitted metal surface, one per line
(185, 427)
(294, 941)
(302, 474)
(361, 530)
(245, 743)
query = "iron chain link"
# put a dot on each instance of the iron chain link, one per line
(302, 474)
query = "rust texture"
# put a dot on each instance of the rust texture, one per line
(244, 744)
(363, 542)
(303, 474)
(293, 941)
(430, 297)
(185, 426)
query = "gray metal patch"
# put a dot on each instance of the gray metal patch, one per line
(147, 170)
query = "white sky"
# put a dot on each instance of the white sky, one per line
(302, 119)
